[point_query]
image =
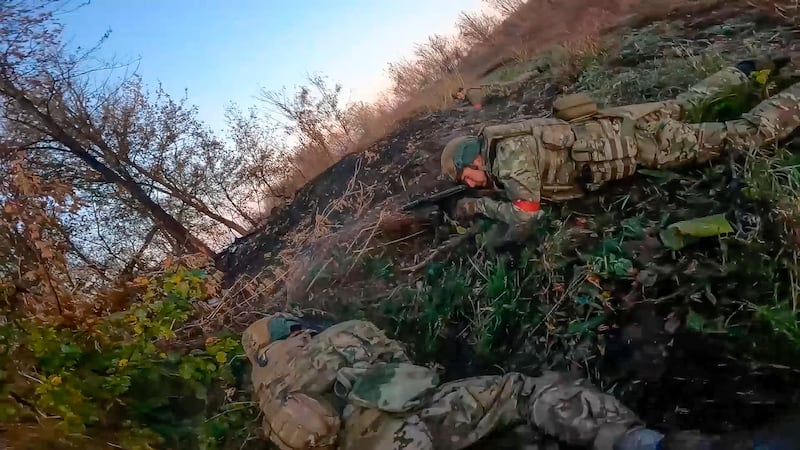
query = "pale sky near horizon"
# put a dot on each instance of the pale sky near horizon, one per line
(223, 51)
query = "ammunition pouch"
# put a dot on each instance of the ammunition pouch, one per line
(574, 107)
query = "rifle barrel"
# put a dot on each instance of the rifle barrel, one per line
(435, 197)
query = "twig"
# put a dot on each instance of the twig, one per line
(258, 291)
(449, 245)
(404, 238)
(475, 266)
(31, 378)
(246, 405)
(371, 228)
(366, 243)
(577, 280)
(318, 274)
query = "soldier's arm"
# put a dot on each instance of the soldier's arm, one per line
(518, 171)
(773, 119)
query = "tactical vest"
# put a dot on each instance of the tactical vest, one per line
(606, 145)
(554, 139)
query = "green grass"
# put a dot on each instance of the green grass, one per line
(654, 80)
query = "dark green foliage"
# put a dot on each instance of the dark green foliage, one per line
(115, 380)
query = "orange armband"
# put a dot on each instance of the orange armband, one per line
(527, 205)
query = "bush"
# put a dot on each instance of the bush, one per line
(123, 380)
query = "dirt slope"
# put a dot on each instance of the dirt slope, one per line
(702, 337)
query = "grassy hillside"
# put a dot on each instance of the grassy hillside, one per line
(701, 335)
(705, 336)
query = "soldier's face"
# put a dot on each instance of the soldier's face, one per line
(474, 176)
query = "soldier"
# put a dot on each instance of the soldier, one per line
(558, 159)
(350, 387)
(470, 97)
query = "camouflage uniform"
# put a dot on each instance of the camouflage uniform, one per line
(556, 160)
(473, 96)
(351, 387)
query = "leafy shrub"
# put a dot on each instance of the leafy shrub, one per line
(123, 379)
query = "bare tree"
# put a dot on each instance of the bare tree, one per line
(105, 131)
(317, 115)
(505, 7)
(476, 28)
(434, 60)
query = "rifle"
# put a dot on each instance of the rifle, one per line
(436, 198)
(447, 198)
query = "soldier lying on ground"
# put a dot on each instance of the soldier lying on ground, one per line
(470, 97)
(350, 387)
(556, 160)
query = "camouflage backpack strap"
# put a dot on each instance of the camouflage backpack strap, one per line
(574, 107)
(506, 130)
(632, 114)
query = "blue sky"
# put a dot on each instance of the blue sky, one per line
(223, 51)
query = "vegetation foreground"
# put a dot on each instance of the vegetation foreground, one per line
(696, 334)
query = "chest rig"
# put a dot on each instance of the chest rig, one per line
(606, 141)
(549, 139)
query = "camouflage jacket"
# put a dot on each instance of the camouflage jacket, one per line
(555, 160)
(351, 387)
(294, 380)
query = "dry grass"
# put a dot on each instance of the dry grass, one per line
(786, 9)
(329, 256)
(568, 30)
(444, 64)
(248, 299)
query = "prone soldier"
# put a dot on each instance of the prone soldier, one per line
(583, 148)
(350, 387)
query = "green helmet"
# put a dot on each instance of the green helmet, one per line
(267, 330)
(459, 153)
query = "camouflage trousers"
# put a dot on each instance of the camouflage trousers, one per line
(460, 413)
(671, 143)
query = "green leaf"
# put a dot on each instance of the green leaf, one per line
(679, 234)
(585, 326)
(661, 175)
(632, 228)
(620, 267)
(695, 322)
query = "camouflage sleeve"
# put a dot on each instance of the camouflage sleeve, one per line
(774, 119)
(517, 170)
(713, 87)
(462, 412)
(576, 412)
(359, 343)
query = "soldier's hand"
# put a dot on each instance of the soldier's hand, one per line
(466, 208)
